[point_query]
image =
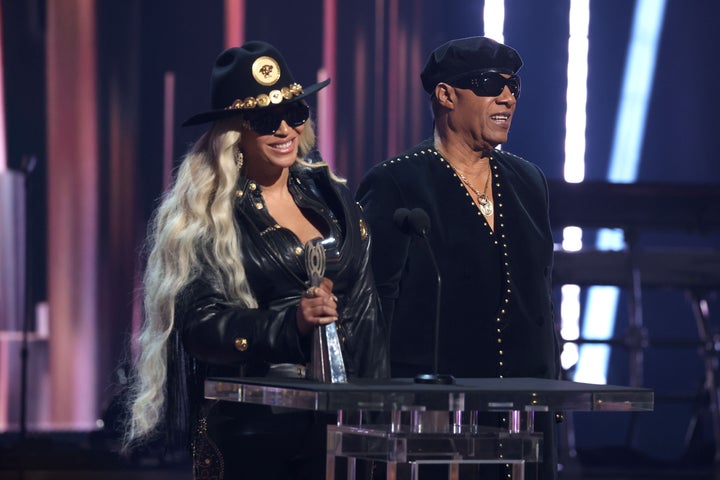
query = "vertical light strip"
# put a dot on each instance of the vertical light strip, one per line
(494, 19)
(72, 198)
(570, 307)
(234, 23)
(4, 353)
(637, 85)
(378, 83)
(577, 72)
(574, 167)
(601, 307)
(418, 99)
(326, 96)
(393, 85)
(360, 101)
(3, 134)
(494, 23)
(168, 127)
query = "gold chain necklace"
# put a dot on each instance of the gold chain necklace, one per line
(485, 205)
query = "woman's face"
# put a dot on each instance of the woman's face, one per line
(272, 137)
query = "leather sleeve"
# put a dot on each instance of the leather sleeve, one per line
(367, 334)
(215, 331)
(380, 196)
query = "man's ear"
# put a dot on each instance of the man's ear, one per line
(445, 95)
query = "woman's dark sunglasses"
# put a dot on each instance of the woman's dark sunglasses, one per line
(490, 84)
(267, 122)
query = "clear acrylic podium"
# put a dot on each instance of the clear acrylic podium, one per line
(431, 424)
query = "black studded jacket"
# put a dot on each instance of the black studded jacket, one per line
(219, 334)
(212, 337)
(496, 314)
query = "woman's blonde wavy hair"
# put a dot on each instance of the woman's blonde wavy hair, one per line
(193, 231)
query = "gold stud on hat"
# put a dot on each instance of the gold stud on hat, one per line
(266, 71)
(275, 96)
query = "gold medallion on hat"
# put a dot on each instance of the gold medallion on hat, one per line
(266, 71)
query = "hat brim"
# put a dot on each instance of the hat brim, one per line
(212, 115)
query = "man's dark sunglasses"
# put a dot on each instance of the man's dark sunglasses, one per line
(490, 84)
(267, 122)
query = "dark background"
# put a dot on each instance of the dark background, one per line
(138, 41)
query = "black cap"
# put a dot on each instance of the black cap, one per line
(463, 57)
(250, 77)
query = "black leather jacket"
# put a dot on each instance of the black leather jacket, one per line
(231, 340)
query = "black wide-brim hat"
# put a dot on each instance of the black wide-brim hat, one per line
(464, 57)
(251, 77)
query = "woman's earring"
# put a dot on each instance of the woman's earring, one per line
(239, 160)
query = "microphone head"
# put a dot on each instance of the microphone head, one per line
(419, 221)
(415, 221)
(400, 219)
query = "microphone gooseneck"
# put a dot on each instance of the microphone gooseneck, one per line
(417, 222)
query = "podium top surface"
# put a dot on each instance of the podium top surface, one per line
(483, 394)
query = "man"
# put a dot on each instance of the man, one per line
(489, 232)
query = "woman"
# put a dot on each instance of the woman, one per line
(226, 291)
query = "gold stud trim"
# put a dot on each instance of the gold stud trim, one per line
(276, 97)
(269, 229)
(264, 100)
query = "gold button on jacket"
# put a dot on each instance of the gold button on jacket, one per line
(241, 344)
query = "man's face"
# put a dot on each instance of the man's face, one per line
(485, 119)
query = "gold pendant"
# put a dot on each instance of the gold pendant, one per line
(485, 205)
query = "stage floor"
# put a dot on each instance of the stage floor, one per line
(90, 456)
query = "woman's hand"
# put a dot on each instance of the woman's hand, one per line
(318, 306)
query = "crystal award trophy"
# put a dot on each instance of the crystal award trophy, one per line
(326, 364)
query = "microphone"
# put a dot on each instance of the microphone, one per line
(416, 222)
(400, 219)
